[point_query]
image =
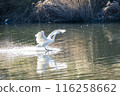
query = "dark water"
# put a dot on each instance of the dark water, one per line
(85, 51)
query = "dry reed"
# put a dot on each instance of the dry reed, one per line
(64, 10)
(50, 10)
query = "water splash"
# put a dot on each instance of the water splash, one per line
(28, 51)
(44, 61)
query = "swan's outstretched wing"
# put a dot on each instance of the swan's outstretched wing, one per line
(57, 31)
(40, 37)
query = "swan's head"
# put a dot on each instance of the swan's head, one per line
(61, 31)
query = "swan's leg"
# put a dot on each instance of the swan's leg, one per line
(46, 52)
(46, 49)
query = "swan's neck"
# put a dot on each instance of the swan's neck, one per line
(43, 34)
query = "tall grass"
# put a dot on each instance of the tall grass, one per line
(50, 10)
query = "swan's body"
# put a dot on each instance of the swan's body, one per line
(44, 41)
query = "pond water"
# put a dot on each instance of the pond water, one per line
(83, 52)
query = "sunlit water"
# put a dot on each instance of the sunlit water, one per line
(85, 51)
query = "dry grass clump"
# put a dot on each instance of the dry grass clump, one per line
(64, 10)
(32, 11)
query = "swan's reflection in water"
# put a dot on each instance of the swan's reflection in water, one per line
(47, 63)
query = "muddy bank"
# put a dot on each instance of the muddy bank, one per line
(52, 11)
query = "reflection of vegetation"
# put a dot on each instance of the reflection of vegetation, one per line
(104, 43)
(89, 54)
(19, 68)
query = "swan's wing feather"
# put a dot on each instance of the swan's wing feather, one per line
(57, 31)
(40, 37)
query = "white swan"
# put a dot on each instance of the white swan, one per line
(44, 41)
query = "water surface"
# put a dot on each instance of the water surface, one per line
(84, 52)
